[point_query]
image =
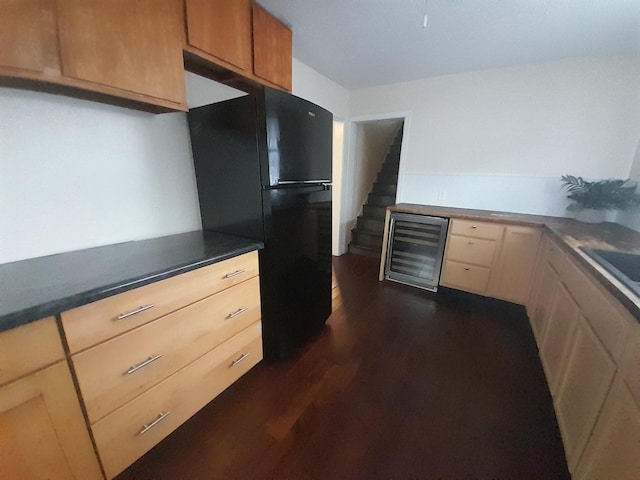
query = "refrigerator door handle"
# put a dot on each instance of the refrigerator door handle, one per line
(303, 182)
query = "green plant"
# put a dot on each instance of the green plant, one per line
(612, 194)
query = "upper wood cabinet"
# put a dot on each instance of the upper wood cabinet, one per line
(221, 28)
(133, 46)
(272, 48)
(237, 42)
(114, 51)
(28, 36)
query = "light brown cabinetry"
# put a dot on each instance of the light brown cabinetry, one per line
(238, 42)
(490, 259)
(126, 311)
(581, 350)
(585, 381)
(28, 38)
(148, 359)
(132, 430)
(116, 51)
(516, 263)
(221, 28)
(132, 46)
(42, 428)
(562, 319)
(272, 48)
(613, 451)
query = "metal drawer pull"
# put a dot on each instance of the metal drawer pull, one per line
(234, 274)
(151, 359)
(474, 226)
(471, 243)
(122, 316)
(161, 416)
(466, 268)
(236, 313)
(240, 359)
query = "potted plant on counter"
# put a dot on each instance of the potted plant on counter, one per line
(593, 199)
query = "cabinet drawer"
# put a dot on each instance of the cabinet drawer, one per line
(118, 370)
(93, 323)
(28, 348)
(471, 250)
(465, 276)
(490, 231)
(121, 437)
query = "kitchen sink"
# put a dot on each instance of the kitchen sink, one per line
(624, 266)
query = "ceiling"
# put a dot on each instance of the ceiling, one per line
(361, 43)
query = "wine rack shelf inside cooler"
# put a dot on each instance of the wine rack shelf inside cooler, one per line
(415, 249)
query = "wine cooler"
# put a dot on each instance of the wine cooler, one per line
(415, 249)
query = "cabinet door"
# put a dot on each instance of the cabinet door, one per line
(42, 429)
(221, 28)
(536, 283)
(132, 46)
(271, 48)
(613, 451)
(553, 350)
(582, 390)
(548, 288)
(28, 36)
(517, 261)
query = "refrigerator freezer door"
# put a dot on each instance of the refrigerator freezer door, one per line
(295, 267)
(298, 139)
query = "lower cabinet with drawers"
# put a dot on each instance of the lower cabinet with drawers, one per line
(148, 359)
(589, 346)
(490, 259)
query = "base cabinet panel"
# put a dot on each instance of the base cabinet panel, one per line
(555, 344)
(613, 451)
(42, 430)
(547, 290)
(582, 390)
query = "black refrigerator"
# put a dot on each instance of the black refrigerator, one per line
(263, 171)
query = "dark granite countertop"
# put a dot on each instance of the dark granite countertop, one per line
(36, 288)
(572, 235)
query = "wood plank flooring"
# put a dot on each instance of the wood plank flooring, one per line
(401, 384)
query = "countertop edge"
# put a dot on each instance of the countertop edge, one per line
(56, 307)
(607, 281)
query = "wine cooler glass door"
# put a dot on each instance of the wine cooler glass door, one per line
(415, 249)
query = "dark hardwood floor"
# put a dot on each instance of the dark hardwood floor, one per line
(402, 384)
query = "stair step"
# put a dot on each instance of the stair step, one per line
(374, 212)
(387, 178)
(367, 252)
(395, 148)
(392, 157)
(390, 167)
(380, 200)
(384, 189)
(366, 239)
(372, 225)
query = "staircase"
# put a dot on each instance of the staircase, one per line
(367, 236)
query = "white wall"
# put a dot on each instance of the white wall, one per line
(318, 89)
(500, 139)
(77, 174)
